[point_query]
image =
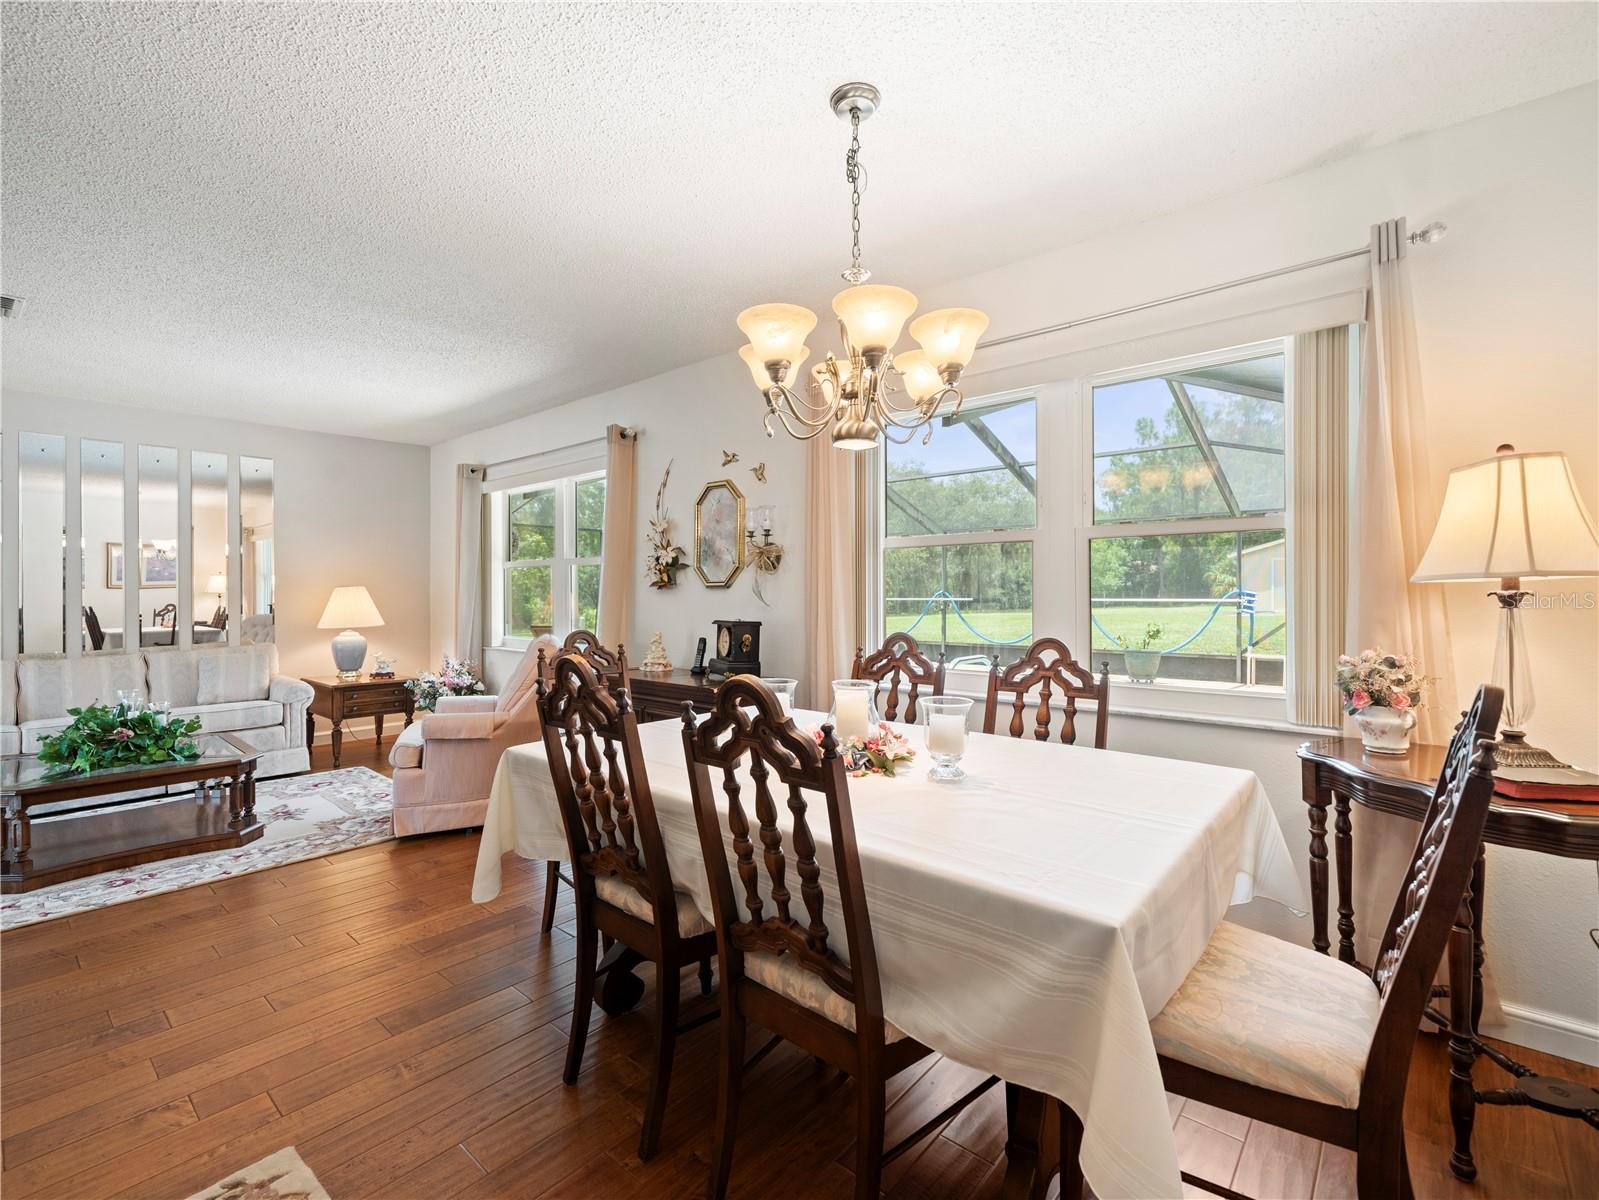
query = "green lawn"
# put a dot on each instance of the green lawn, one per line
(1124, 621)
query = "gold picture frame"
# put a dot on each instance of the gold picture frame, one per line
(719, 533)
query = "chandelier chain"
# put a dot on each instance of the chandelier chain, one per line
(853, 172)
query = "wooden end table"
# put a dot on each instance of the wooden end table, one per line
(340, 700)
(199, 805)
(1337, 771)
(659, 695)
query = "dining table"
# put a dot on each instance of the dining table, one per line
(1029, 919)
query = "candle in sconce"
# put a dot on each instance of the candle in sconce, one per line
(946, 733)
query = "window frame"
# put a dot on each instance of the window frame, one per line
(1061, 574)
(563, 565)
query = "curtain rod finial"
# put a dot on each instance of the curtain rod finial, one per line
(1428, 234)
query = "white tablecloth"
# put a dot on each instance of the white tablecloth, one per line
(1029, 920)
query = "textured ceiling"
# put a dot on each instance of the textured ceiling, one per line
(409, 220)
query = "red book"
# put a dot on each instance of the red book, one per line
(1547, 783)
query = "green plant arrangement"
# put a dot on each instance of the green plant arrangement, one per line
(1152, 634)
(103, 735)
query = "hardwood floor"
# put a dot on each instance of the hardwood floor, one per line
(409, 1043)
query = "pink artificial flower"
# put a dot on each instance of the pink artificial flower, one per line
(1360, 699)
(122, 734)
(1399, 660)
(1399, 700)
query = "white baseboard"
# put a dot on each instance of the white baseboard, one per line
(1546, 1031)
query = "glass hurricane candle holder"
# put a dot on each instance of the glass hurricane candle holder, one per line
(784, 690)
(944, 724)
(854, 708)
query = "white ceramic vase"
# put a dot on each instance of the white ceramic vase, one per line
(1386, 730)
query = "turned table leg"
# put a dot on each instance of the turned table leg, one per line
(1343, 843)
(1317, 798)
(18, 838)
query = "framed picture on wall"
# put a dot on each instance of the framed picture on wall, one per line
(158, 567)
(113, 564)
(719, 533)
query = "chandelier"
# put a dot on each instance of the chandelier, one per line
(852, 393)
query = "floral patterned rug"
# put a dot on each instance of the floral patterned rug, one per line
(306, 816)
(280, 1176)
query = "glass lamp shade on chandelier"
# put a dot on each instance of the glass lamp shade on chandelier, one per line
(851, 393)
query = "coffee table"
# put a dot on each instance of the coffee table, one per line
(135, 814)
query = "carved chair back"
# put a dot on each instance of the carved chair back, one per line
(1049, 666)
(899, 660)
(91, 623)
(610, 663)
(166, 617)
(591, 743)
(747, 740)
(1433, 894)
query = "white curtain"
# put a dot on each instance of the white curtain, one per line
(833, 550)
(619, 555)
(469, 562)
(1394, 513)
(1318, 544)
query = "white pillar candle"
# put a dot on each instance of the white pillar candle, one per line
(782, 701)
(946, 734)
(850, 713)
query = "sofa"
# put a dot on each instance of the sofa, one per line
(444, 764)
(232, 689)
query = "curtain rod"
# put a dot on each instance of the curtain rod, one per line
(1431, 233)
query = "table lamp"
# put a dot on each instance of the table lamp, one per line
(1512, 517)
(219, 585)
(352, 608)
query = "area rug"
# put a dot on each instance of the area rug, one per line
(280, 1176)
(306, 816)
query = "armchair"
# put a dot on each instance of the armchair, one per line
(444, 764)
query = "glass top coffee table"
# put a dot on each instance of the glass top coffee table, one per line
(60, 826)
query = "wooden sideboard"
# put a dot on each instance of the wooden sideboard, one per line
(659, 695)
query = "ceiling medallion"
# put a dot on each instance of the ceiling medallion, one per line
(851, 393)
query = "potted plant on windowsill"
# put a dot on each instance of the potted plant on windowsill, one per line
(1143, 662)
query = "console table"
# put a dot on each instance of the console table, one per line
(339, 700)
(1336, 771)
(659, 695)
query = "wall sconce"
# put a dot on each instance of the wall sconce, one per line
(764, 554)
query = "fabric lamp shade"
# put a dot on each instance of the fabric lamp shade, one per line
(217, 583)
(350, 608)
(1513, 516)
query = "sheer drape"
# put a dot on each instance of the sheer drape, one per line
(468, 562)
(1318, 543)
(618, 554)
(833, 549)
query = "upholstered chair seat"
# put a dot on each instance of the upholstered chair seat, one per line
(626, 897)
(1277, 1015)
(781, 974)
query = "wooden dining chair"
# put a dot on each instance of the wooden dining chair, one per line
(610, 666)
(780, 969)
(1285, 1035)
(899, 660)
(619, 868)
(91, 625)
(1049, 666)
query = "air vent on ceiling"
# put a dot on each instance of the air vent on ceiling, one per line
(9, 305)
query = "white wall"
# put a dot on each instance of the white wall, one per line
(347, 511)
(1506, 311)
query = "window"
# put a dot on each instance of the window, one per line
(1188, 552)
(959, 518)
(1096, 510)
(548, 539)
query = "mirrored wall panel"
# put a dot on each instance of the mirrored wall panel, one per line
(156, 571)
(42, 542)
(208, 542)
(256, 547)
(104, 582)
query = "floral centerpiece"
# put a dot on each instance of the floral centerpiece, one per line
(458, 677)
(881, 752)
(104, 735)
(1381, 692)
